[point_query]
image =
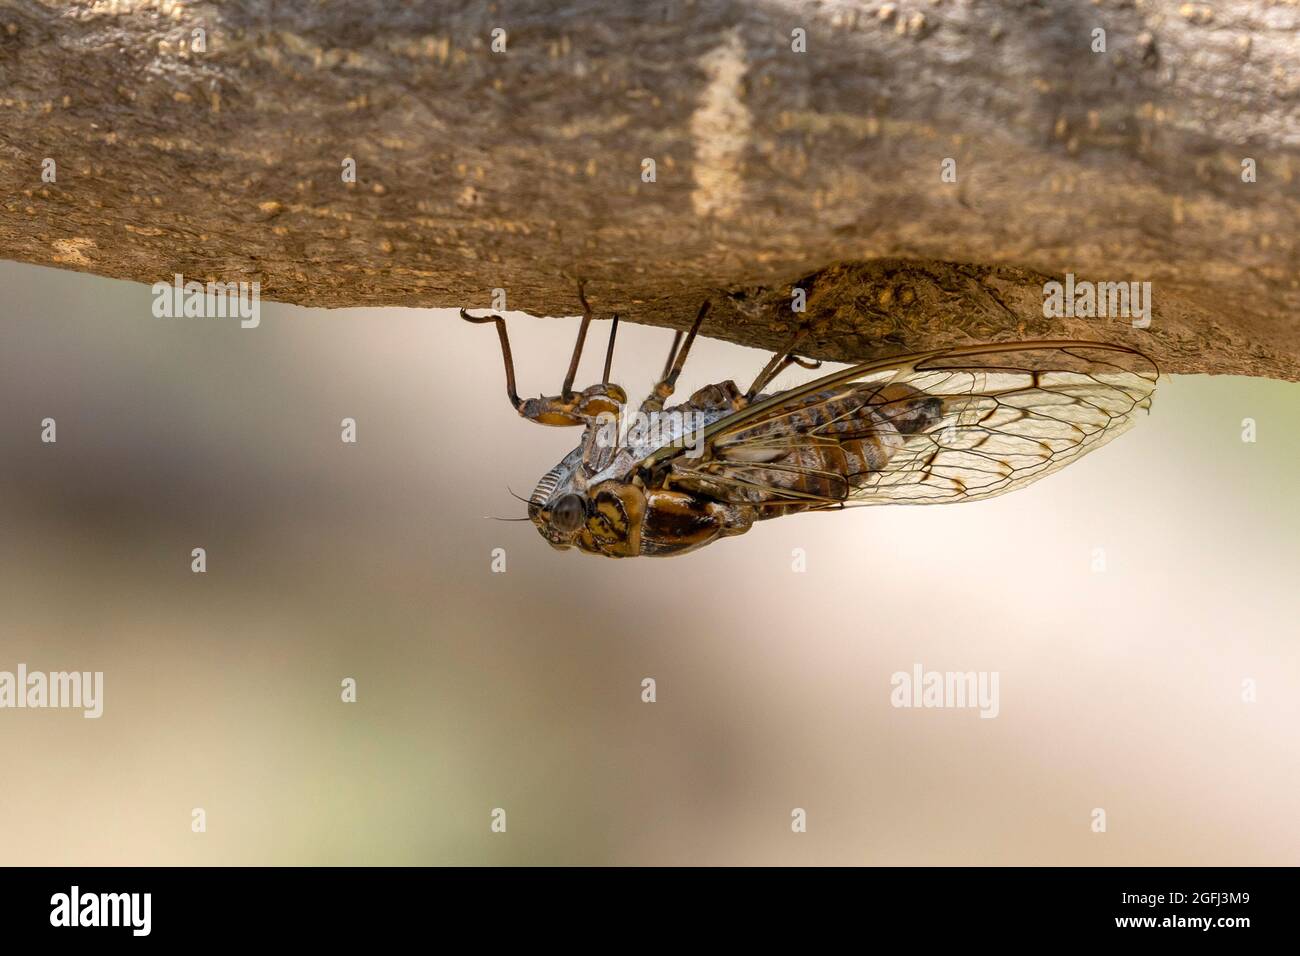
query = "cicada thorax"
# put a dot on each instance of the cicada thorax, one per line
(815, 451)
(676, 522)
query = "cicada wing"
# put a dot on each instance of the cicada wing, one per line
(954, 425)
(1010, 418)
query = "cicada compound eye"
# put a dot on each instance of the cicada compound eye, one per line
(568, 514)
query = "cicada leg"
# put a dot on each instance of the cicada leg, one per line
(609, 350)
(654, 402)
(566, 390)
(569, 407)
(500, 323)
(779, 362)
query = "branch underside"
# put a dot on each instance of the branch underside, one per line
(524, 170)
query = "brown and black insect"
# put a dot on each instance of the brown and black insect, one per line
(948, 425)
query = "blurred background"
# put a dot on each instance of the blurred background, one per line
(1120, 689)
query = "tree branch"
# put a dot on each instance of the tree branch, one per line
(523, 170)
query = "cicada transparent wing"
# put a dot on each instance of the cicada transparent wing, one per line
(953, 425)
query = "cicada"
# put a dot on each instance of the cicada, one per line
(947, 425)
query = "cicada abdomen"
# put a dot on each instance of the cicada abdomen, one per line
(815, 450)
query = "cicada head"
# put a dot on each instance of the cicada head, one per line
(604, 519)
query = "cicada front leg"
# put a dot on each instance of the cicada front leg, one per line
(569, 407)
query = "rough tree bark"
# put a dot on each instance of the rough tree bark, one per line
(522, 169)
